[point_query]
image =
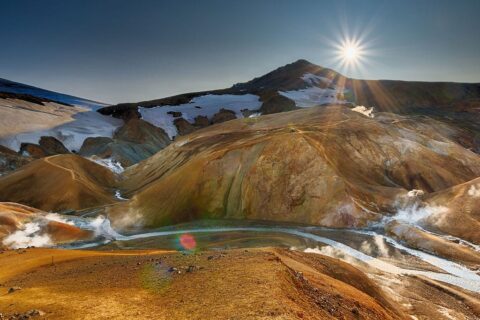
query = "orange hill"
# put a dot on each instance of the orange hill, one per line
(60, 182)
(324, 165)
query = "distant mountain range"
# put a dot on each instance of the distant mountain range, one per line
(303, 84)
(20, 89)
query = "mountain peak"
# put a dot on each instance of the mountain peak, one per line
(303, 62)
(287, 77)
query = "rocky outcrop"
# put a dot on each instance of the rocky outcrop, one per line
(52, 146)
(47, 146)
(175, 114)
(183, 126)
(97, 146)
(141, 132)
(32, 150)
(201, 122)
(11, 160)
(131, 143)
(223, 115)
(274, 103)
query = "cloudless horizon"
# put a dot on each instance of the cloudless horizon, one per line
(122, 51)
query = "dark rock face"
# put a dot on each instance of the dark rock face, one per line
(32, 150)
(288, 77)
(52, 145)
(98, 146)
(124, 111)
(10, 160)
(47, 146)
(132, 143)
(142, 132)
(201, 122)
(175, 114)
(183, 126)
(223, 115)
(274, 103)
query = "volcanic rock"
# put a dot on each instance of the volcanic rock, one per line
(32, 150)
(201, 122)
(47, 146)
(175, 114)
(183, 126)
(131, 143)
(98, 146)
(223, 115)
(11, 160)
(52, 146)
(274, 103)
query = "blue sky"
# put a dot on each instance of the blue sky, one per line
(120, 51)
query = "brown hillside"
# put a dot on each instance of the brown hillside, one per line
(60, 182)
(325, 166)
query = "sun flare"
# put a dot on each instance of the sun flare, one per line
(350, 52)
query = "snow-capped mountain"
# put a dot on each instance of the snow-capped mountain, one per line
(297, 85)
(8, 86)
(302, 84)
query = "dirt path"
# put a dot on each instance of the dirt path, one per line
(72, 173)
(74, 176)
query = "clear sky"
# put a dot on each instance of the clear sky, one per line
(125, 50)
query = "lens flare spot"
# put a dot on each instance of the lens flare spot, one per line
(187, 241)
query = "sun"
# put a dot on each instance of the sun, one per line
(350, 52)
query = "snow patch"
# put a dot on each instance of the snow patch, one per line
(474, 191)
(415, 193)
(72, 134)
(313, 96)
(313, 79)
(255, 115)
(109, 163)
(365, 111)
(207, 105)
(118, 195)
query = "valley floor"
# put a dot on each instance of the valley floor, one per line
(261, 283)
